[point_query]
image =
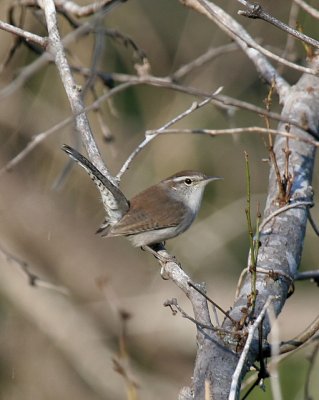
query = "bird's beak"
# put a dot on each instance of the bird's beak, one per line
(213, 178)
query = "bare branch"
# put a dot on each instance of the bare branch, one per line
(280, 210)
(219, 100)
(313, 224)
(82, 124)
(234, 131)
(275, 351)
(251, 333)
(209, 55)
(38, 138)
(129, 81)
(150, 137)
(311, 368)
(28, 36)
(290, 41)
(32, 278)
(257, 11)
(310, 10)
(174, 306)
(248, 45)
(28, 71)
(308, 275)
(297, 341)
(84, 11)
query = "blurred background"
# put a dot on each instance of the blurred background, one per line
(64, 346)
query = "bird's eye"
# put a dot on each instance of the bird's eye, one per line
(188, 181)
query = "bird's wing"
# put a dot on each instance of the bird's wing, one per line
(149, 212)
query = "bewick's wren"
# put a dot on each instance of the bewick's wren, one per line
(160, 212)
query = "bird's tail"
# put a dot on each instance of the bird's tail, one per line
(112, 197)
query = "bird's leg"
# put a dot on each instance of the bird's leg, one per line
(155, 248)
(162, 258)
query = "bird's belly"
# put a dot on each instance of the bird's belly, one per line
(159, 235)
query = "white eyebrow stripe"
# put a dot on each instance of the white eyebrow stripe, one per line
(180, 179)
(193, 178)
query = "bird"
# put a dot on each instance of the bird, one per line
(160, 212)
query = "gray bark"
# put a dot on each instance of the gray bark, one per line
(281, 240)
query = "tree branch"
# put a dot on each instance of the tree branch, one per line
(256, 11)
(28, 36)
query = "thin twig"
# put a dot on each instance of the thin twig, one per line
(240, 366)
(311, 368)
(191, 284)
(272, 156)
(271, 272)
(283, 209)
(173, 303)
(262, 370)
(297, 341)
(308, 275)
(208, 56)
(286, 349)
(235, 131)
(39, 137)
(313, 224)
(290, 41)
(275, 352)
(172, 270)
(257, 11)
(32, 278)
(27, 72)
(28, 36)
(149, 138)
(240, 281)
(281, 189)
(310, 10)
(249, 42)
(252, 253)
(222, 101)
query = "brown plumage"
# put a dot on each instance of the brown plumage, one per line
(140, 215)
(161, 212)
